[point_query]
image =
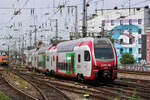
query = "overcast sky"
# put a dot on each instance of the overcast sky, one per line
(44, 11)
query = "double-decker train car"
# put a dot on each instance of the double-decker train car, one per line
(29, 59)
(85, 58)
(41, 60)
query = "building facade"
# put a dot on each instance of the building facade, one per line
(148, 46)
(125, 26)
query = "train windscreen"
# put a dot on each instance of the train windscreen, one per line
(4, 58)
(103, 49)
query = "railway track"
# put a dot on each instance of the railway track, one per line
(134, 72)
(129, 89)
(48, 91)
(73, 89)
(122, 88)
(13, 92)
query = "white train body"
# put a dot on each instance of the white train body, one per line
(87, 57)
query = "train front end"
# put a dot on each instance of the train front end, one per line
(4, 60)
(105, 68)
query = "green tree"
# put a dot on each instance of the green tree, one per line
(3, 97)
(127, 58)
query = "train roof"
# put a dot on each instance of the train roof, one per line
(75, 41)
(80, 40)
(70, 44)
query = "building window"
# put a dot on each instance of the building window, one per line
(139, 59)
(93, 34)
(118, 30)
(139, 31)
(139, 51)
(130, 50)
(103, 22)
(79, 58)
(112, 22)
(121, 22)
(130, 31)
(130, 41)
(121, 31)
(121, 50)
(130, 21)
(121, 41)
(139, 21)
(112, 31)
(139, 41)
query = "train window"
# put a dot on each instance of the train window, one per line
(51, 61)
(66, 66)
(86, 56)
(37, 59)
(47, 58)
(53, 58)
(79, 58)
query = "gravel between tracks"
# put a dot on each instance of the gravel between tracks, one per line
(123, 87)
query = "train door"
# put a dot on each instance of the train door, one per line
(44, 60)
(72, 64)
(33, 64)
(86, 63)
(53, 60)
(71, 61)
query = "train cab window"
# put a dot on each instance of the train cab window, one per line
(79, 58)
(86, 56)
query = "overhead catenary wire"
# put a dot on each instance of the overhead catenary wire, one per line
(58, 10)
(141, 2)
(26, 8)
(18, 11)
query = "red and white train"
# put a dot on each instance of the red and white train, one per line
(85, 58)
